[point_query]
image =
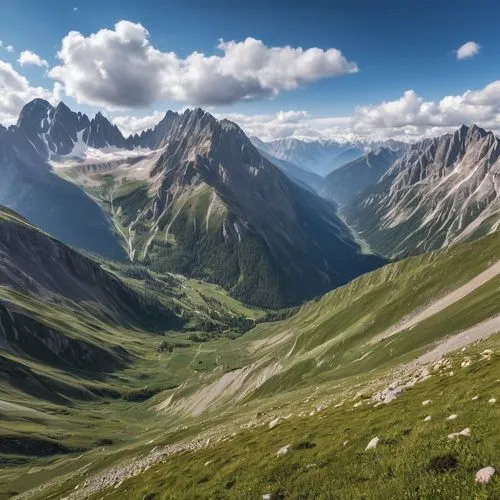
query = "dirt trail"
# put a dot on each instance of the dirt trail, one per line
(441, 303)
(478, 332)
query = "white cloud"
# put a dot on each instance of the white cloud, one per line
(133, 125)
(9, 48)
(28, 57)
(407, 118)
(15, 92)
(120, 69)
(468, 50)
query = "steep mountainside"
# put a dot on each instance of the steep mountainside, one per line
(319, 157)
(33, 263)
(29, 186)
(346, 182)
(441, 191)
(294, 172)
(208, 204)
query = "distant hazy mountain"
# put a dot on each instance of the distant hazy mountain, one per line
(350, 180)
(441, 191)
(319, 157)
(294, 172)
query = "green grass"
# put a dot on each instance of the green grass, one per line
(319, 351)
(320, 465)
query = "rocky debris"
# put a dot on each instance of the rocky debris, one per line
(452, 417)
(428, 418)
(266, 496)
(466, 362)
(283, 451)
(426, 402)
(475, 398)
(116, 475)
(391, 392)
(484, 475)
(486, 354)
(492, 401)
(372, 444)
(455, 435)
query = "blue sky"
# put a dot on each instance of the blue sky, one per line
(396, 45)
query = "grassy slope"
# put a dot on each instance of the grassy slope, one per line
(327, 457)
(319, 350)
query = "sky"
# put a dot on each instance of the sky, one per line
(317, 69)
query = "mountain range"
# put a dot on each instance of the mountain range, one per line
(441, 191)
(319, 157)
(192, 196)
(148, 347)
(322, 156)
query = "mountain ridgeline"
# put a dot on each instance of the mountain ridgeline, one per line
(350, 180)
(442, 191)
(193, 196)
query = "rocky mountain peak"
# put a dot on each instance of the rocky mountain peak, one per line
(442, 191)
(33, 115)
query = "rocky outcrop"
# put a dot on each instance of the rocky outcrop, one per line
(441, 191)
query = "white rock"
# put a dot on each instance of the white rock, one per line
(452, 417)
(426, 402)
(484, 475)
(274, 423)
(345, 442)
(428, 418)
(475, 398)
(283, 451)
(267, 496)
(358, 404)
(208, 463)
(372, 444)
(492, 401)
(465, 432)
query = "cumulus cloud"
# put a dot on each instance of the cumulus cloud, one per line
(15, 92)
(9, 48)
(120, 69)
(407, 118)
(133, 125)
(28, 57)
(467, 50)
